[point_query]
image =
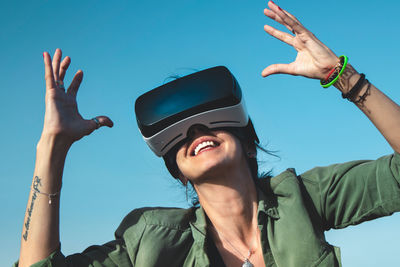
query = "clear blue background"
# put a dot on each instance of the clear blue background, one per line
(128, 47)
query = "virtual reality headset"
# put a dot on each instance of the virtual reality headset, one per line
(211, 98)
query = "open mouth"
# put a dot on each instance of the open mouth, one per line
(203, 146)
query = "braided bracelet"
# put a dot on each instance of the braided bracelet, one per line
(350, 95)
(335, 73)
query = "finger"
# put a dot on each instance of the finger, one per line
(287, 13)
(76, 82)
(286, 19)
(275, 17)
(278, 69)
(283, 36)
(96, 123)
(56, 63)
(48, 71)
(64, 66)
(292, 17)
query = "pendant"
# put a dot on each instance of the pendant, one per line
(247, 263)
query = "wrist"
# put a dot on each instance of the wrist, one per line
(335, 73)
(50, 160)
(347, 80)
(51, 153)
(330, 68)
(54, 143)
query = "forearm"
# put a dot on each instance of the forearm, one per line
(380, 109)
(40, 233)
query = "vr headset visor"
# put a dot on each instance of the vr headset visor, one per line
(211, 97)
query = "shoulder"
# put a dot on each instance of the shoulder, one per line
(281, 180)
(289, 185)
(173, 218)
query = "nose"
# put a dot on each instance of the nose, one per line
(197, 129)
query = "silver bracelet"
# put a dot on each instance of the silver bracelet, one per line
(50, 196)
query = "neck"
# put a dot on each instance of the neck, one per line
(230, 202)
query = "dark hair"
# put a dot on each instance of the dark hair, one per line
(246, 136)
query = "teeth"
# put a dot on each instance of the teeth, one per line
(203, 145)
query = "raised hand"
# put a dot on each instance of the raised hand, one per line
(314, 59)
(62, 119)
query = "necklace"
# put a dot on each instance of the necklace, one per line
(246, 262)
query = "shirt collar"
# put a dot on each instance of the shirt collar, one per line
(266, 201)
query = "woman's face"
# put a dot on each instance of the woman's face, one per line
(209, 153)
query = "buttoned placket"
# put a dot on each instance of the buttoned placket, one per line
(199, 232)
(267, 213)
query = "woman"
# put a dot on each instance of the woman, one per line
(279, 221)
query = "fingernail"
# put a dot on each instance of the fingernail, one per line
(272, 2)
(43, 54)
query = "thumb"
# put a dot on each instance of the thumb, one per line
(277, 69)
(97, 122)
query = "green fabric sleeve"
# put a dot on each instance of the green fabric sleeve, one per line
(112, 254)
(354, 192)
(56, 257)
(108, 255)
(47, 261)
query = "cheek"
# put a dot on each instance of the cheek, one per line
(180, 161)
(233, 148)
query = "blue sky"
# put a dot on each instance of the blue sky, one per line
(128, 47)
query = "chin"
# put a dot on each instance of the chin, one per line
(212, 167)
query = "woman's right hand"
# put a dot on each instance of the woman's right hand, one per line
(63, 125)
(62, 121)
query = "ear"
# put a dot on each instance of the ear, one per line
(251, 151)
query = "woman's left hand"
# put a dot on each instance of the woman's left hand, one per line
(314, 59)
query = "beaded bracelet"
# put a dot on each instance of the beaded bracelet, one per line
(335, 72)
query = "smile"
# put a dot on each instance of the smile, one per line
(204, 146)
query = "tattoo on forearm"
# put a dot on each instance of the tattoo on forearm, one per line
(36, 184)
(361, 99)
(343, 83)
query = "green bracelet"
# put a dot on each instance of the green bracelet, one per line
(344, 64)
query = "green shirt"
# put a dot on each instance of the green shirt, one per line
(294, 211)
